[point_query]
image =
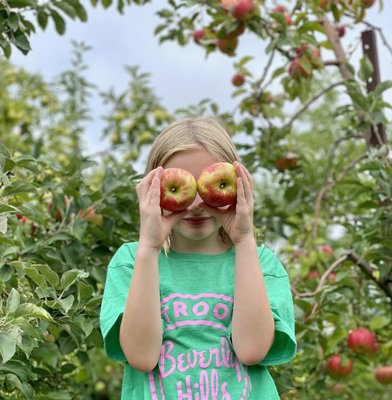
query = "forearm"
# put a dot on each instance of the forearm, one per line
(141, 328)
(252, 322)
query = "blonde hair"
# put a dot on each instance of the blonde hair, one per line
(192, 134)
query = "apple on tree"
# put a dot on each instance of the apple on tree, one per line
(217, 184)
(243, 10)
(280, 9)
(338, 367)
(383, 374)
(238, 79)
(362, 341)
(178, 189)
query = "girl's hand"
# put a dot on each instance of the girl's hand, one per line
(237, 219)
(154, 226)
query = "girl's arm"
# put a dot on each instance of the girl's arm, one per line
(252, 323)
(141, 326)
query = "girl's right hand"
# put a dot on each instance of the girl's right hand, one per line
(154, 226)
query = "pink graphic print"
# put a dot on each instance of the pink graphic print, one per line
(199, 374)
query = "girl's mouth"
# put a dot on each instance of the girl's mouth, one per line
(197, 220)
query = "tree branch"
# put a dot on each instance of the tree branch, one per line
(325, 189)
(385, 285)
(310, 102)
(323, 278)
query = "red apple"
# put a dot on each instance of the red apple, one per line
(311, 53)
(289, 161)
(285, 12)
(21, 218)
(178, 189)
(362, 341)
(341, 30)
(324, 4)
(327, 250)
(217, 184)
(384, 374)
(91, 216)
(198, 35)
(332, 277)
(297, 70)
(367, 3)
(227, 4)
(243, 10)
(227, 44)
(313, 275)
(338, 368)
(338, 388)
(238, 79)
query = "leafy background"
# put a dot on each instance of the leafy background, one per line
(323, 195)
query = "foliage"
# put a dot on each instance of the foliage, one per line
(323, 199)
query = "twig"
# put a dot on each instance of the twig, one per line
(310, 102)
(385, 285)
(381, 33)
(325, 189)
(324, 277)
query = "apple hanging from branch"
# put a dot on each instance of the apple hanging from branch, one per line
(362, 341)
(339, 367)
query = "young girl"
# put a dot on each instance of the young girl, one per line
(195, 308)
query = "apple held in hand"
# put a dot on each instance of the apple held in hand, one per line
(178, 189)
(217, 184)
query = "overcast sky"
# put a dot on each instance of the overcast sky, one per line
(180, 75)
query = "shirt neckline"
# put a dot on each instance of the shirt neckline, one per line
(200, 256)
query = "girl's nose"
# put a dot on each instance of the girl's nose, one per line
(196, 202)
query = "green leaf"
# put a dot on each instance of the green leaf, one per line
(365, 69)
(66, 8)
(21, 42)
(51, 276)
(379, 322)
(22, 3)
(57, 395)
(30, 310)
(67, 303)
(36, 277)
(59, 22)
(7, 208)
(42, 18)
(13, 21)
(13, 300)
(70, 277)
(106, 3)
(6, 48)
(79, 10)
(17, 188)
(382, 87)
(7, 346)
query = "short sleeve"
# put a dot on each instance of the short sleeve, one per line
(119, 275)
(277, 282)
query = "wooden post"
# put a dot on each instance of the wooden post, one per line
(378, 137)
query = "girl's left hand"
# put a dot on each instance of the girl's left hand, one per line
(237, 219)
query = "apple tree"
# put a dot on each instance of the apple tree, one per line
(323, 173)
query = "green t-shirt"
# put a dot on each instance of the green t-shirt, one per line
(197, 360)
